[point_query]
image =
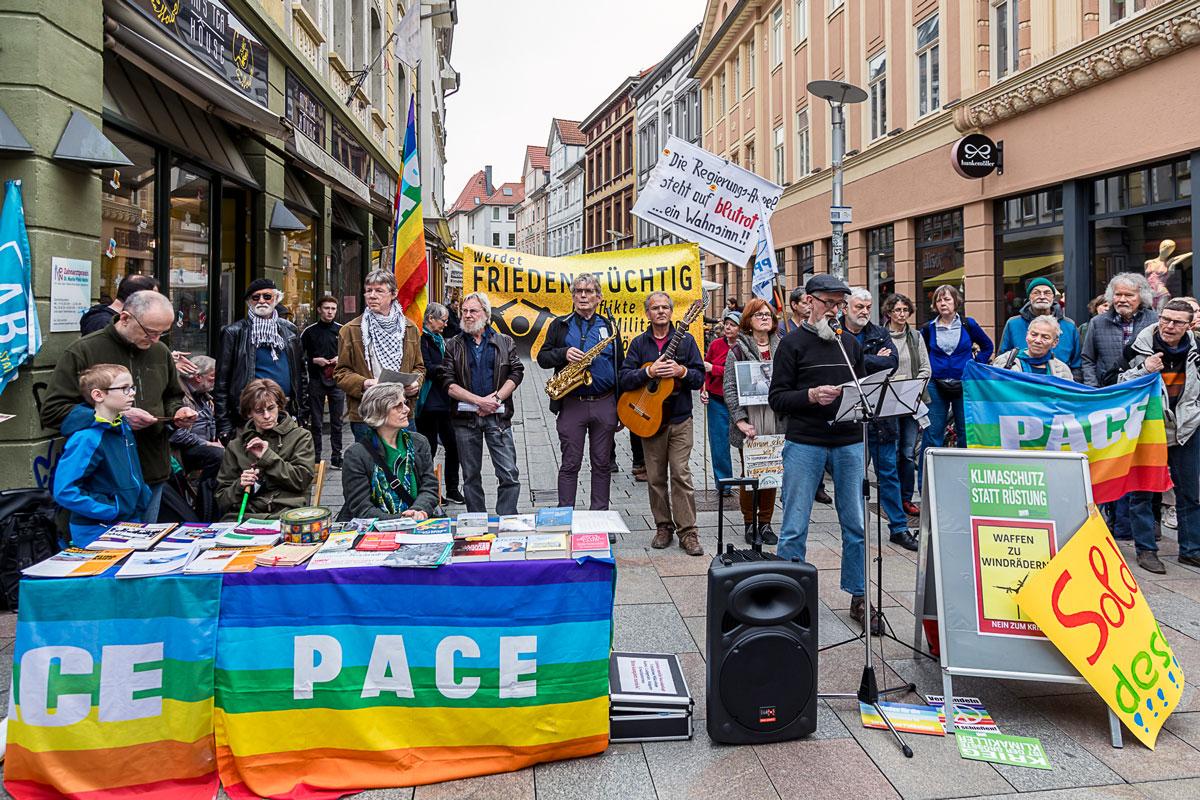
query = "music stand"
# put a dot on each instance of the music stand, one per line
(889, 399)
(862, 399)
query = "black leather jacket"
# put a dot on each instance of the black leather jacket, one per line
(235, 368)
(456, 369)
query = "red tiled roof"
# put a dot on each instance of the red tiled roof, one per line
(569, 132)
(476, 188)
(535, 154)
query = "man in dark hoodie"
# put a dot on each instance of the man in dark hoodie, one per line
(1043, 299)
(132, 341)
(806, 387)
(100, 315)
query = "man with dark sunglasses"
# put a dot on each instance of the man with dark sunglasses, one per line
(261, 345)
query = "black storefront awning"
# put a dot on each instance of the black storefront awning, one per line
(132, 99)
(343, 218)
(138, 39)
(296, 197)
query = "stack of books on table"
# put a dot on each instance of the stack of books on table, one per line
(648, 698)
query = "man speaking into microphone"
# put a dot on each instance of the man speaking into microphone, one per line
(809, 368)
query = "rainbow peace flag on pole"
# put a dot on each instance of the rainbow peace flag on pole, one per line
(399, 677)
(113, 690)
(408, 234)
(1120, 427)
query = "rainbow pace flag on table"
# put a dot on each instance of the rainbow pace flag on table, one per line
(1120, 427)
(398, 677)
(408, 235)
(113, 690)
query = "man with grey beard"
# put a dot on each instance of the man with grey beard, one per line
(806, 386)
(480, 372)
(1043, 301)
(261, 345)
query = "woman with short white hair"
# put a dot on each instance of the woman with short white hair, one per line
(389, 473)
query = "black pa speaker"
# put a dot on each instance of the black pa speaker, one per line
(762, 648)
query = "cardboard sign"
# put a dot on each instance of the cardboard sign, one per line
(1090, 606)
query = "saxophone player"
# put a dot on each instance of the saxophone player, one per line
(589, 411)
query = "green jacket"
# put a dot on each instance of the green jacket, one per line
(285, 471)
(154, 375)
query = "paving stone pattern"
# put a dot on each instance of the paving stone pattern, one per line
(660, 607)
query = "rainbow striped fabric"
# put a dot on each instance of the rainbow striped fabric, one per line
(1120, 427)
(408, 235)
(334, 681)
(113, 690)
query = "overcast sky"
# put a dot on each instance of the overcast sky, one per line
(524, 62)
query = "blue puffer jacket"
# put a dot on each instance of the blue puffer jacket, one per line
(99, 477)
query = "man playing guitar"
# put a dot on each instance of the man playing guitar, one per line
(657, 355)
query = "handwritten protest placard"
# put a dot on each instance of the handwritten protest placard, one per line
(703, 198)
(1089, 605)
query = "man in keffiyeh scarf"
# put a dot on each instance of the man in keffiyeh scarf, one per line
(381, 339)
(263, 345)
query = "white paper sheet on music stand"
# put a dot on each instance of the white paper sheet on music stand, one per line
(848, 410)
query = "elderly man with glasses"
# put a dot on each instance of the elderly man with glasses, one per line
(589, 411)
(806, 388)
(260, 345)
(132, 341)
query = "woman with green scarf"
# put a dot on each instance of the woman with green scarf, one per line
(433, 408)
(390, 473)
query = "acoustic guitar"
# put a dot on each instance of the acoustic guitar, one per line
(641, 410)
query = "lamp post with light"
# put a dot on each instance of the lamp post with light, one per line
(838, 94)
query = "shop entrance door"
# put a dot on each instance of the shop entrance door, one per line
(235, 254)
(347, 276)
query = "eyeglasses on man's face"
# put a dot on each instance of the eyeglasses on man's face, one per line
(262, 297)
(839, 303)
(153, 334)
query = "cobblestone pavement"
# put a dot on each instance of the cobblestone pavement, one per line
(660, 607)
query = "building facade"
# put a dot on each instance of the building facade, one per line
(609, 183)
(486, 214)
(1086, 97)
(564, 215)
(667, 103)
(207, 144)
(531, 213)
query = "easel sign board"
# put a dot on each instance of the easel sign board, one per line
(993, 516)
(990, 517)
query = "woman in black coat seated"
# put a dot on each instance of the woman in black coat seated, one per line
(390, 474)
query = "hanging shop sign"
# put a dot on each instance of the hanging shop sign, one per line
(217, 37)
(304, 111)
(977, 156)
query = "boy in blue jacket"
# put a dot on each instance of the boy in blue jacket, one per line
(99, 477)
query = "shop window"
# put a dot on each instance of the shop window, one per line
(190, 239)
(1029, 244)
(299, 264)
(881, 263)
(939, 256)
(127, 241)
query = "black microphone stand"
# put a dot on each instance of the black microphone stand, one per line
(868, 687)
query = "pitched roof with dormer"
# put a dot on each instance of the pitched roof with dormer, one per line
(474, 194)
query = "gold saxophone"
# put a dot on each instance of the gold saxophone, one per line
(572, 376)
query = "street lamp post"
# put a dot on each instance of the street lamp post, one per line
(838, 94)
